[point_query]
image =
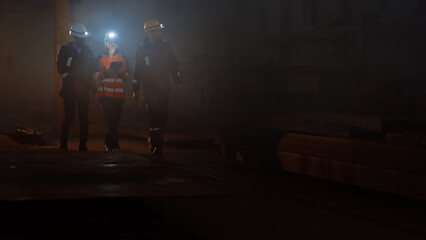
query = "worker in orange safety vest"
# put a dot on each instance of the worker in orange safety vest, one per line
(112, 74)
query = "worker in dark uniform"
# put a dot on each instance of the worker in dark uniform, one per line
(75, 65)
(155, 63)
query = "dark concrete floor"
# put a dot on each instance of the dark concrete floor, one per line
(190, 193)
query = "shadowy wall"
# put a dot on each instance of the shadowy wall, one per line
(26, 50)
(278, 56)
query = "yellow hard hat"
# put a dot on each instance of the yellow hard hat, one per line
(152, 24)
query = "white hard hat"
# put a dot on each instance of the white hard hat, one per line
(78, 30)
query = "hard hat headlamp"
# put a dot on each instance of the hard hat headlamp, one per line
(78, 34)
(111, 37)
(152, 25)
(78, 30)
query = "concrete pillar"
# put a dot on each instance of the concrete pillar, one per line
(61, 32)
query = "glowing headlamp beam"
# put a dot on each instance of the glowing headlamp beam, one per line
(112, 35)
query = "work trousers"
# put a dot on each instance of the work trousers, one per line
(157, 102)
(112, 109)
(70, 102)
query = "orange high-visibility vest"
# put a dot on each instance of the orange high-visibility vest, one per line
(111, 85)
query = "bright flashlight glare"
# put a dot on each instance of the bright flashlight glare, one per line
(111, 35)
(86, 33)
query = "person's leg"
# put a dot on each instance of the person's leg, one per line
(156, 140)
(154, 115)
(117, 108)
(155, 130)
(162, 115)
(164, 108)
(151, 100)
(69, 107)
(109, 112)
(83, 114)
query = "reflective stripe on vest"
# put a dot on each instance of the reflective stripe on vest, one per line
(111, 80)
(111, 90)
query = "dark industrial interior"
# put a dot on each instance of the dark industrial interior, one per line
(296, 119)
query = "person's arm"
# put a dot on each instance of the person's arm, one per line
(174, 69)
(124, 70)
(137, 74)
(62, 63)
(93, 65)
(102, 70)
(92, 70)
(174, 66)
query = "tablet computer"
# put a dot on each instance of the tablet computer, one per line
(116, 66)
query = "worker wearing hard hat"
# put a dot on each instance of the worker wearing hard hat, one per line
(155, 62)
(75, 65)
(112, 74)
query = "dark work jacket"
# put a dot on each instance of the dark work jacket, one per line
(76, 70)
(154, 65)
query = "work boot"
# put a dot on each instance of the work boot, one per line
(107, 149)
(156, 151)
(83, 148)
(115, 148)
(107, 143)
(63, 147)
(156, 141)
